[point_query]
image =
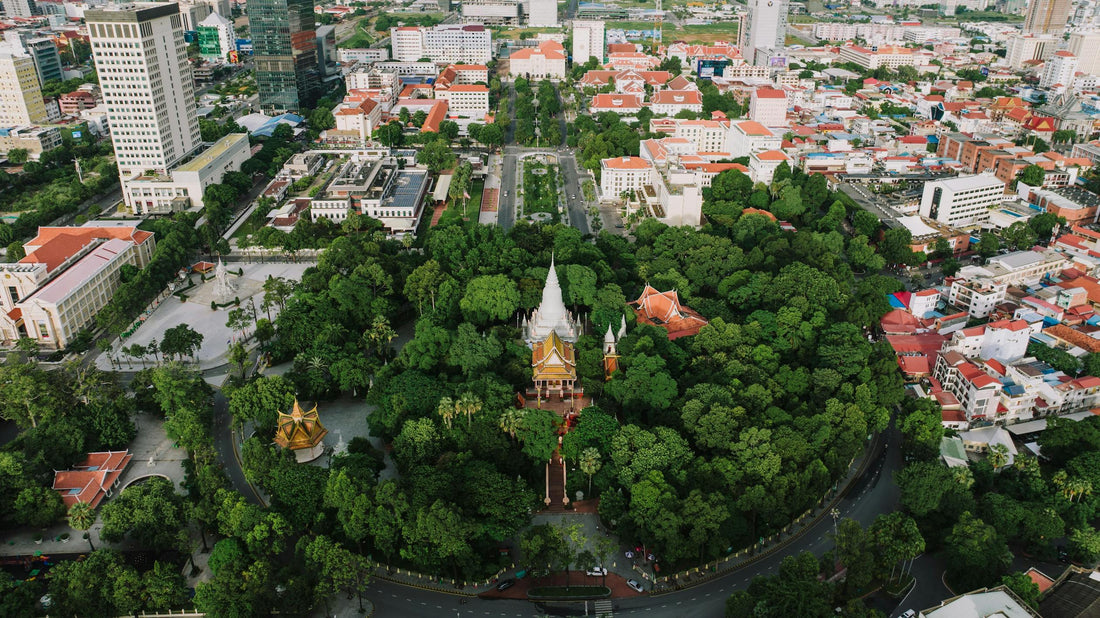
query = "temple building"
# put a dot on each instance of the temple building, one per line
(610, 354)
(301, 432)
(554, 366)
(664, 309)
(551, 315)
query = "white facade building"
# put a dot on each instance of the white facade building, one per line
(20, 95)
(961, 201)
(767, 28)
(768, 106)
(542, 13)
(1059, 70)
(762, 165)
(462, 44)
(465, 100)
(977, 296)
(749, 136)
(547, 61)
(1021, 48)
(1086, 46)
(141, 60)
(588, 41)
(620, 174)
(183, 187)
(227, 36)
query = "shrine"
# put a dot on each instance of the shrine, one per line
(554, 366)
(301, 432)
(664, 309)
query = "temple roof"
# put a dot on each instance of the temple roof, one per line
(299, 429)
(664, 309)
(554, 359)
(551, 314)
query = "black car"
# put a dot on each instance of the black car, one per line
(506, 584)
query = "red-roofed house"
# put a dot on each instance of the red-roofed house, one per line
(671, 102)
(624, 104)
(762, 165)
(917, 353)
(547, 61)
(975, 389)
(92, 480)
(664, 309)
(355, 122)
(619, 174)
(1003, 340)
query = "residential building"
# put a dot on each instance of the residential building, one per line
(767, 28)
(43, 50)
(21, 8)
(72, 103)
(465, 100)
(1046, 17)
(1086, 47)
(621, 174)
(749, 136)
(672, 102)
(35, 140)
(977, 296)
(705, 135)
(547, 61)
(762, 165)
(768, 106)
(1020, 49)
(888, 56)
(1019, 268)
(542, 13)
(355, 123)
(463, 74)
(1004, 340)
(93, 480)
(588, 41)
(68, 275)
(961, 201)
(183, 187)
(450, 43)
(1059, 70)
(20, 93)
(216, 38)
(975, 389)
(284, 53)
(153, 126)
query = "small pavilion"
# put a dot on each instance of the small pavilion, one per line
(664, 309)
(301, 432)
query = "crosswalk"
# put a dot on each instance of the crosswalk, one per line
(604, 609)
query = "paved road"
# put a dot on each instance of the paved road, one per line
(578, 215)
(506, 205)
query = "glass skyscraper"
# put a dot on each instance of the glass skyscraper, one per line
(284, 45)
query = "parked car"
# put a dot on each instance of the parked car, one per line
(506, 584)
(633, 583)
(597, 571)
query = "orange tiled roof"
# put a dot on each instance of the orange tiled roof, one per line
(664, 309)
(91, 480)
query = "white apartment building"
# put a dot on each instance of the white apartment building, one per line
(704, 135)
(182, 188)
(768, 106)
(977, 296)
(749, 136)
(762, 165)
(588, 41)
(355, 122)
(20, 95)
(1059, 70)
(975, 389)
(1004, 341)
(445, 43)
(364, 54)
(1021, 48)
(766, 28)
(961, 201)
(888, 56)
(465, 100)
(547, 61)
(141, 59)
(373, 79)
(542, 13)
(1086, 47)
(620, 174)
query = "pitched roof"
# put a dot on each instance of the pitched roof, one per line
(664, 309)
(626, 163)
(554, 359)
(677, 97)
(616, 101)
(769, 93)
(90, 481)
(299, 429)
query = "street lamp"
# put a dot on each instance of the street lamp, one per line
(836, 515)
(536, 103)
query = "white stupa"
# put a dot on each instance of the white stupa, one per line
(551, 314)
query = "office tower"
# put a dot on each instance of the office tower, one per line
(1086, 46)
(20, 95)
(767, 28)
(141, 59)
(543, 13)
(216, 38)
(20, 8)
(588, 41)
(1059, 70)
(284, 45)
(1046, 17)
(47, 61)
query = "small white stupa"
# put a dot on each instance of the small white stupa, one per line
(551, 315)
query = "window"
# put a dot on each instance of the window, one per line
(43, 332)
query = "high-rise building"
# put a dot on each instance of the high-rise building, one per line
(1046, 17)
(450, 43)
(588, 41)
(1059, 70)
(284, 45)
(141, 59)
(47, 61)
(767, 28)
(1086, 46)
(20, 8)
(216, 37)
(20, 95)
(1021, 48)
(542, 13)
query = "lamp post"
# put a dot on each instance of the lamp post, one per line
(836, 515)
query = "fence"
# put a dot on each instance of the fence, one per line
(434, 582)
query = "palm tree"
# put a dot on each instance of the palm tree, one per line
(509, 421)
(469, 405)
(446, 409)
(590, 464)
(81, 517)
(998, 456)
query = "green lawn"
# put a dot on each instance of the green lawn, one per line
(473, 208)
(540, 191)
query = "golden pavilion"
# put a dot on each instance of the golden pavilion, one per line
(301, 432)
(554, 366)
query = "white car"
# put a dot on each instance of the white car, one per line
(633, 583)
(597, 571)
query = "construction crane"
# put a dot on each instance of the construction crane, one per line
(657, 34)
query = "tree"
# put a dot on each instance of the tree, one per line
(96, 586)
(449, 130)
(976, 555)
(866, 223)
(489, 298)
(18, 156)
(38, 506)
(151, 513)
(261, 400)
(1019, 236)
(469, 405)
(391, 134)
(988, 245)
(337, 569)
(180, 340)
(1032, 176)
(491, 135)
(1084, 544)
(436, 156)
(81, 518)
(1027, 590)
(589, 464)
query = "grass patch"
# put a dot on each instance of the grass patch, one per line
(540, 189)
(514, 33)
(473, 207)
(569, 592)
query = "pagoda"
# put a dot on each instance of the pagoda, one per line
(664, 309)
(301, 432)
(554, 366)
(551, 315)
